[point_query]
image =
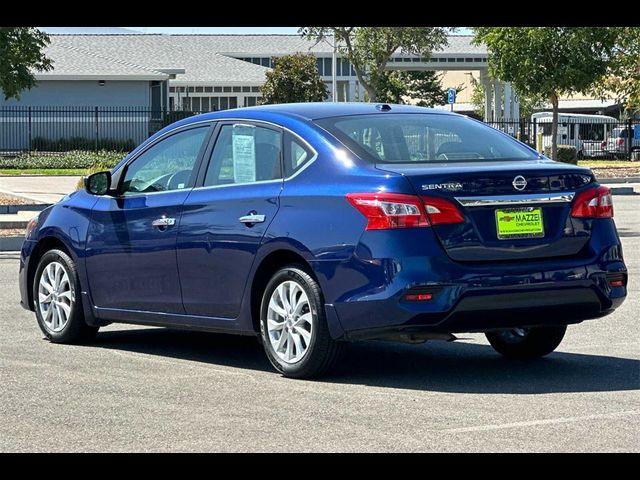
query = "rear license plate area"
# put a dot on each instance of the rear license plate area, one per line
(515, 223)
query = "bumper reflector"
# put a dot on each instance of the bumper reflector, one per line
(418, 297)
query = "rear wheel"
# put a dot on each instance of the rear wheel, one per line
(293, 325)
(56, 294)
(526, 342)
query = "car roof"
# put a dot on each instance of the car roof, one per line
(317, 110)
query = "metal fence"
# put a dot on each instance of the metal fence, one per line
(594, 137)
(60, 129)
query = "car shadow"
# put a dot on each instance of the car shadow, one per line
(435, 366)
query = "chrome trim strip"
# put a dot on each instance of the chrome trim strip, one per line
(501, 200)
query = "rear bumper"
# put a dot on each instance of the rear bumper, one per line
(480, 312)
(367, 291)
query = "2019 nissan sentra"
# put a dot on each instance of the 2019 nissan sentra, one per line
(309, 225)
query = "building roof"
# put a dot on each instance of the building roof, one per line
(72, 62)
(205, 58)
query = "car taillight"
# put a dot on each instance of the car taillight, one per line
(620, 141)
(389, 210)
(398, 210)
(441, 211)
(593, 203)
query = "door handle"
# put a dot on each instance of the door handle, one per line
(163, 222)
(252, 218)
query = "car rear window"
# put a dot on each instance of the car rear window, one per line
(402, 138)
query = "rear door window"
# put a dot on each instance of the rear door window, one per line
(245, 153)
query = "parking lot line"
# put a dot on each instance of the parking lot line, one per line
(534, 423)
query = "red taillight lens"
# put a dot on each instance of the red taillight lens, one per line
(397, 210)
(441, 211)
(593, 203)
(389, 210)
(620, 141)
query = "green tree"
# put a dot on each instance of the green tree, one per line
(293, 78)
(424, 88)
(370, 48)
(548, 61)
(623, 75)
(21, 54)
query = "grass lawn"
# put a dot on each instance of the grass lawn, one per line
(43, 171)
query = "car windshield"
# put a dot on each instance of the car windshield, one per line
(401, 138)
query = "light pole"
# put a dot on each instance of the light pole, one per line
(334, 87)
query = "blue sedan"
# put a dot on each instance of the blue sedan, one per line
(310, 225)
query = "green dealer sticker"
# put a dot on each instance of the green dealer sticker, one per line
(519, 223)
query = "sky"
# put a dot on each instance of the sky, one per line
(188, 30)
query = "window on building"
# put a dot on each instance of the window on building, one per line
(327, 67)
(217, 89)
(191, 89)
(226, 89)
(215, 104)
(208, 89)
(345, 67)
(224, 103)
(237, 89)
(172, 89)
(319, 66)
(199, 89)
(195, 104)
(266, 62)
(255, 60)
(246, 89)
(255, 89)
(205, 107)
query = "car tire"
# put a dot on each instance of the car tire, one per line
(307, 350)
(59, 309)
(526, 343)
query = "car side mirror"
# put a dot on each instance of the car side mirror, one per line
(98, 183)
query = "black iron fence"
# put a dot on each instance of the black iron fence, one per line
(60, 129)
(593, 136)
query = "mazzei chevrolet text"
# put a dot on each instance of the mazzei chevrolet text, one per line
(310, 225)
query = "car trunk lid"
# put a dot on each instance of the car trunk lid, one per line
(494, 196)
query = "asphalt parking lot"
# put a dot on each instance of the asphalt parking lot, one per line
(149, 389)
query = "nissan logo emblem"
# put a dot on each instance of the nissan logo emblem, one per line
(519, 183)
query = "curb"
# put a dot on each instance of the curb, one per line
(11, 244)
(34, 207)
(619, 180)
(622, 191)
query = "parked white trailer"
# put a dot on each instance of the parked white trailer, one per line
(585, 132)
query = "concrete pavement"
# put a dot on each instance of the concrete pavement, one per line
(39, 188)
(150, 389)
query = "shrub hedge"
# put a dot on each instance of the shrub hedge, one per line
(72, 159)
(566, 154)
(81, 143)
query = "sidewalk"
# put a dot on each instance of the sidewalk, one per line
(38, 188)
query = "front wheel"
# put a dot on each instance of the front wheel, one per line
(56, 295)
(293, 325)
(526, 342)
